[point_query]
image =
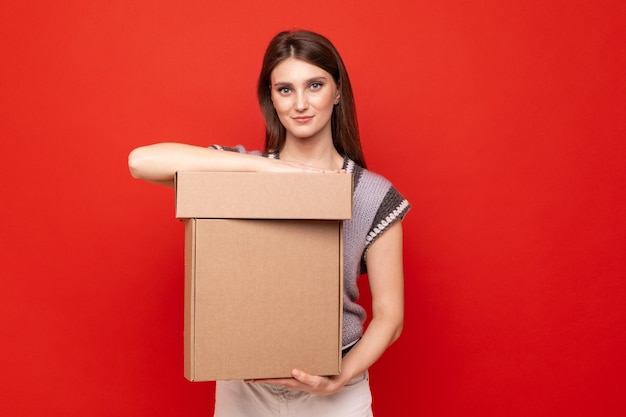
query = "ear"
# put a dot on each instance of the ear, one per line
(337, 96)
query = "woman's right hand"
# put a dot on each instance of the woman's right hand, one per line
(277, 165)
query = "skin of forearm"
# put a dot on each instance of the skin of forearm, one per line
(380, 334)
(159, 162)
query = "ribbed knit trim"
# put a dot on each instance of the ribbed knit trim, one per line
(394, 208)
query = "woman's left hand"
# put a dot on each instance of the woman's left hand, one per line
(313, 384)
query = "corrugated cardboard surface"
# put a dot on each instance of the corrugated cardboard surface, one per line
(262, 297)
(263, 195)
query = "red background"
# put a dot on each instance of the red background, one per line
(503, 122)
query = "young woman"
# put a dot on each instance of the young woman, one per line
(307, 102)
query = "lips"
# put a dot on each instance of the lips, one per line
(302, 119)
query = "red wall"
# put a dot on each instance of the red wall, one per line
(503, 122)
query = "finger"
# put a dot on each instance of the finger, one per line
(304, 378)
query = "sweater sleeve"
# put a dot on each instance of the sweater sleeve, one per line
(393, 208)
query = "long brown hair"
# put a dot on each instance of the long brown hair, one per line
(317, 50)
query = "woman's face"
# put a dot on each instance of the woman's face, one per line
(304, 96)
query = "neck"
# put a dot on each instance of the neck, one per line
(319, 155)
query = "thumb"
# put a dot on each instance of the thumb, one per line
(299, 375)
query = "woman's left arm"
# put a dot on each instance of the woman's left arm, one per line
(386, 278)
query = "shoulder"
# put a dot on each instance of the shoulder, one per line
(375, 194)
(373, 187)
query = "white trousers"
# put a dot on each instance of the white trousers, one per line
(241, 399)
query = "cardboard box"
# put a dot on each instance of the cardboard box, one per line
(263, 285)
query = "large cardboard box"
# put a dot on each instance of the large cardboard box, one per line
(263, 272)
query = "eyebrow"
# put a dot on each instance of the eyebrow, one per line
(310, 80)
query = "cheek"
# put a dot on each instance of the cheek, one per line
(280, 104)
(324, 102)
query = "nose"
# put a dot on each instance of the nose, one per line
(302, 101)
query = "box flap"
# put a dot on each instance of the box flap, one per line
(263, 195)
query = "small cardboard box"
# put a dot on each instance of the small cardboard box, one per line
(263, 273)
